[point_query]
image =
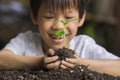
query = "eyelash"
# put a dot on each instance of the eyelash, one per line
(53, 17)
(48, 17)
(68, 17)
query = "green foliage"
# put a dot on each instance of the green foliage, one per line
(90, 31)
(60, 33)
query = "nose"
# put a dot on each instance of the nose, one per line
(58, 25)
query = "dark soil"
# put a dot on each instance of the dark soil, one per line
(79, 72)
(65, 53)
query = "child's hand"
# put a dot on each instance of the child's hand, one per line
(70, 62)
(51, 62)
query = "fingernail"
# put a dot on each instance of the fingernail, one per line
(56, 57)
(62, 61)
(51, 51)
(67, 59)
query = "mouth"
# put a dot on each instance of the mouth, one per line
(60, 34)
(58, 41)
(55, 37)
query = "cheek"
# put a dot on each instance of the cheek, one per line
(73, 28)
(44, 26)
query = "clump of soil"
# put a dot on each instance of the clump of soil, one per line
(64, 53)
(79, 72)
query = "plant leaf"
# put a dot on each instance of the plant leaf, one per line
(70, 20)
(59, 33)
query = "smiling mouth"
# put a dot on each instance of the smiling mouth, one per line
(55, 37)
(59, 36)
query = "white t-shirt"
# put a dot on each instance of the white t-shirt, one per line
(29, 44)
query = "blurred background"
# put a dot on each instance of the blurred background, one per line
(102, 22)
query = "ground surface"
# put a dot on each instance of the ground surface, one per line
(79, 72)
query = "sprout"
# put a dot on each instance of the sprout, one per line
(60, 33)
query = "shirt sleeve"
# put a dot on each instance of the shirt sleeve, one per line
(86, 47)
(17, 45)
(95, 51)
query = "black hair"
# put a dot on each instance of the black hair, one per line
(58, 4)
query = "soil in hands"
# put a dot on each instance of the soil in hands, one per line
(79, 72)
(65, 53)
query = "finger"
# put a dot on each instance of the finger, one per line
(58, 66)
(76, 54)
(51, 52)
(73, 61)
(50, 59)
(54, 65)
(67, 64)
(62, 66)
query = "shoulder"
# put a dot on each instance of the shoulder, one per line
(83, 39)
(28, 40)
(87, 48)
(28, 34)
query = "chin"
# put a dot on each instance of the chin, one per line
(58, 47)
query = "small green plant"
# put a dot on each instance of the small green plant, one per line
(60, 33)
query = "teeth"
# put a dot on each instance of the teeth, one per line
(62, 37)
(54, 36)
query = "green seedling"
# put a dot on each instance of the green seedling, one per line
(60, 33)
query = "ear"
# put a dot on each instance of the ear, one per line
(82, 20)
(33, 18)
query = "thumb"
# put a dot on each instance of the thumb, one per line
(76, 54)
(51, 52)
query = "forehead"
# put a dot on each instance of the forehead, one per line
(59, 5)
(72, 10)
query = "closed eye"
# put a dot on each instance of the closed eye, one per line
(68, 17)
(49, 17)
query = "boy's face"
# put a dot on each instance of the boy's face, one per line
(48, 23)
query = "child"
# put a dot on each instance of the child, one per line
(30, 50)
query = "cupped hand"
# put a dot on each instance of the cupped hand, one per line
(50, 61)
(70, 62)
